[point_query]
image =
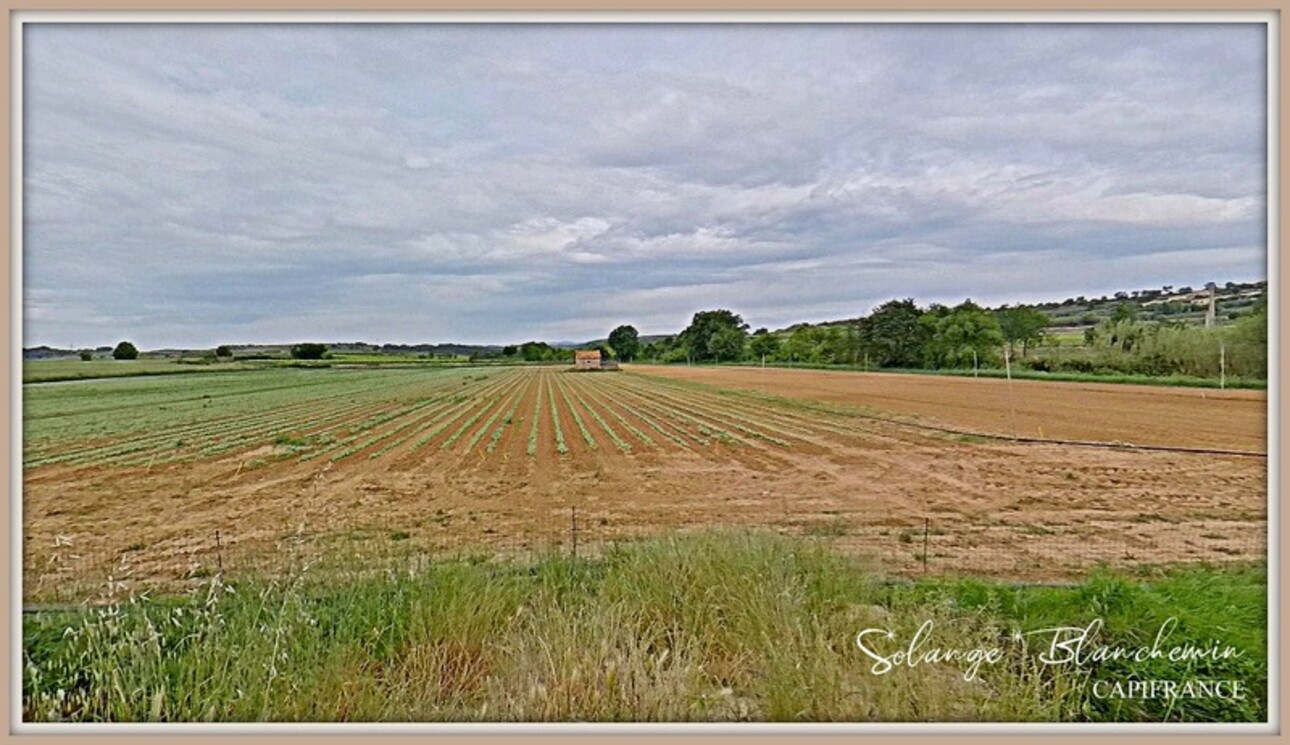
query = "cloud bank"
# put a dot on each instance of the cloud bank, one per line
(189, 185)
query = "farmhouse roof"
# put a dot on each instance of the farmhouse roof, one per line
(589, 354)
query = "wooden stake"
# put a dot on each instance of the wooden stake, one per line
(1012, 408)
(573, 518)
(926, 531)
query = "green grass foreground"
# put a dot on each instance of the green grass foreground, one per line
(709, 626)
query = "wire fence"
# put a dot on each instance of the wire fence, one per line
(1024, 548)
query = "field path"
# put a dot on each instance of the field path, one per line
(1138, 414)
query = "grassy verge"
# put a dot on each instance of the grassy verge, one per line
(709, 626)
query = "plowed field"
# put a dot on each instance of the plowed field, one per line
(135, 477)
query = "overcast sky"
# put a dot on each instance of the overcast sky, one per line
(199, 184)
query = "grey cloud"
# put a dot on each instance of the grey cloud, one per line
(190, 185)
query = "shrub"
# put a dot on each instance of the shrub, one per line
(308, 351)
(125, 351)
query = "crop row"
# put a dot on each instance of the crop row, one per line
(223, 431)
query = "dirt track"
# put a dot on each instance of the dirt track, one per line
(1143, 415)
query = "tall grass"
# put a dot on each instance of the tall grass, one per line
(709, 626)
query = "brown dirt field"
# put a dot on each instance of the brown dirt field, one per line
(1139, 414)
(711, 459)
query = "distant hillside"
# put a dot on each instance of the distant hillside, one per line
(1186, 304)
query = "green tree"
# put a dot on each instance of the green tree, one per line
(839, 345)
(697, 337)
(727, 344)
(540, 351)
(125, 351)
(764, 345)
(308, 351)
(626, 342)
(223, 351)
(1021, 325)
(800, 346)
(961, 336)
(510, 350)
(892, 335)
(87, 355)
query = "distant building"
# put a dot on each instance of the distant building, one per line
(586, 359)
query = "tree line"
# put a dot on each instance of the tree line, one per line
(897, 334)
(900, 334)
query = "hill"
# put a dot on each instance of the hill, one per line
(1185, 304)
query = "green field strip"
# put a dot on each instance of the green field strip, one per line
(210, 392)
(450, 404)
(506, 420)
(649, 408)
(246, 438)
(108, 453)
(648, 420)
(582, 426)
(560, 446)
(442, 403)
(363, 429)
(532, 446)
(206, 429)
(495, 400)
(611, 393)
(178, 431)
(681, 412)
(218, 418)
(360, 429)
(465, 408)
(409, 418)
(217, 433)
(454, 408)
(194, 414)
(599, 399)
(622, 444)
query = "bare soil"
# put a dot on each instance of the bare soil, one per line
(1140, 414)
(907, 500)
